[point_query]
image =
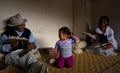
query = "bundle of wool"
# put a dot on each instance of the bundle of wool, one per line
(78, 47)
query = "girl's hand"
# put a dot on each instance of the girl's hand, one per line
(71, 35)
(56, 54)
(56, 57)
(75, 38)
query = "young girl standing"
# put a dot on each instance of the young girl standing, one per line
(63, 48)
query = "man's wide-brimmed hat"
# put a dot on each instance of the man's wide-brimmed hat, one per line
(16, 20)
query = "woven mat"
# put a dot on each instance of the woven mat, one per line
(11, 69)
(88, 63)
(113, 69)
(84, 63)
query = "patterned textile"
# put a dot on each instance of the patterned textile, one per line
(38, 67)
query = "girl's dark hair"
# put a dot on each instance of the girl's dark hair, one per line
(65, 30)
(104, 17)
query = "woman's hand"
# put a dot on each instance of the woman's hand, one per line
(108, 46)
(92, 38)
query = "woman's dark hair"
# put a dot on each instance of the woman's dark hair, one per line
(65, 30)
(104, 17)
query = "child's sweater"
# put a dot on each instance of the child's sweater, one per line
(65, 47)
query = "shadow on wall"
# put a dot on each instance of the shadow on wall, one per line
(6, 27)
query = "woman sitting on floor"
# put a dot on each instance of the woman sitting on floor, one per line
(103, 40)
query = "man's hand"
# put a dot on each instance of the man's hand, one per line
(14, 43)
(22, 53)
(30, 46)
